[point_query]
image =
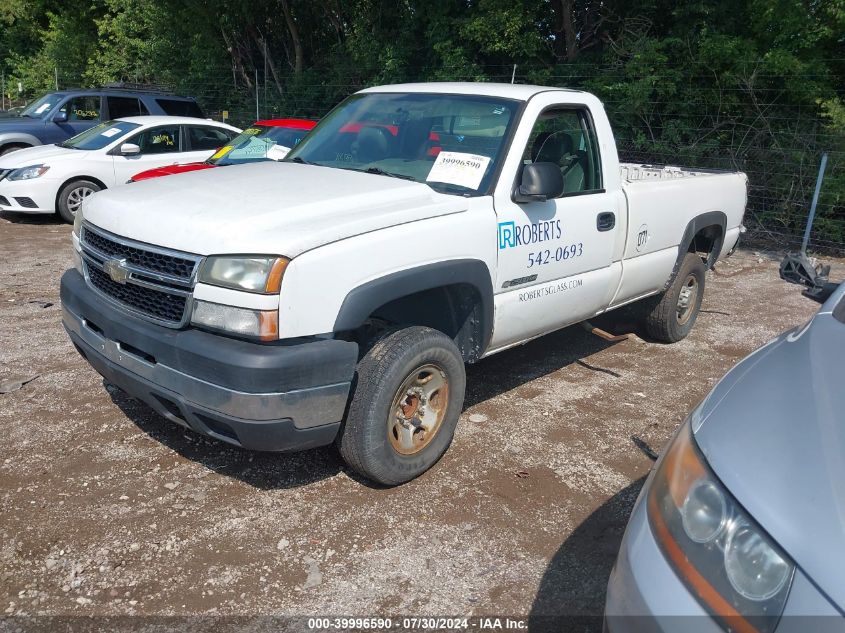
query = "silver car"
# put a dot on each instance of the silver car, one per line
(741, 523)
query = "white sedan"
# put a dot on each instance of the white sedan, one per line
(57, 178)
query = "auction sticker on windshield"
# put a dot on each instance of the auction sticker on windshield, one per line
(277, 152)
(458, 168)
(220, 153)
(110, 132)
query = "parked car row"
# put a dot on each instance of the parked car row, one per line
(57, 178)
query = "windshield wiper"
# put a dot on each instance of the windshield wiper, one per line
(379, 171)
(301, 161)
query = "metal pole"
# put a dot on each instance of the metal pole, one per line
(256, 95)
(57, 77)
(3, 91)
(265, 77)
(513, 74)
(814, 203)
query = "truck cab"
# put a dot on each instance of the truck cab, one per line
(337, 294)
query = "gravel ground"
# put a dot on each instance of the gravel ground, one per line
(108, 510)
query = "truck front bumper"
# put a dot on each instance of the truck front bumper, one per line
(289, 395)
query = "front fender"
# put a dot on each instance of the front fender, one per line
(363, 300)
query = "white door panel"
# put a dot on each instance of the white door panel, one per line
(524, 313)
(558, 260)
(127, 166)
(554, 239)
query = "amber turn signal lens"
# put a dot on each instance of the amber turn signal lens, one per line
(274, 279)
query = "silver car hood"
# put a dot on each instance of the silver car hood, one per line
(773, 430)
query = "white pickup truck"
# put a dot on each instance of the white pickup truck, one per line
(335, 296)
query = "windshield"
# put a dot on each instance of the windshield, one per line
(258, 142)
(100, 135)
(449, 142)
(41, 106)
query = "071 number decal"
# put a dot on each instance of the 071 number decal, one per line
(561, 253)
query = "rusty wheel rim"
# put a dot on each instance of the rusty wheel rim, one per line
(418, 409)
(687, 299)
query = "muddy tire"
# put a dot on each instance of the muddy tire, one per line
(71, 197)
(408, 396)
(675, 312)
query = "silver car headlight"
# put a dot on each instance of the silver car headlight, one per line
(28, 173)
(251, 273)
(726, 560)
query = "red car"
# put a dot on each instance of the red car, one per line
(268, 139)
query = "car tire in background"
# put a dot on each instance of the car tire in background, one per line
(407, 399)
(676, 310)
(8, 149)
(71, 197)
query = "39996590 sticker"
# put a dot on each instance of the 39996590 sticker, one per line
(458, 168)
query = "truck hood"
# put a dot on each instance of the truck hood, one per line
(772, 430)
(39, 154)
(13, 123)
(263, 208)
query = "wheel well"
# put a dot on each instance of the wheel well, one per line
(8, 146)
(707, 242)
(455, 309)
(96, 181)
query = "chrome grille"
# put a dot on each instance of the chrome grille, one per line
(155, 261)
(160, 305)
(153, 282)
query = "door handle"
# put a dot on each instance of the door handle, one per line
(605, 221)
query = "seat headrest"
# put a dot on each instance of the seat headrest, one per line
(551, 147)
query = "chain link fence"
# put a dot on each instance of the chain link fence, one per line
(745, 123)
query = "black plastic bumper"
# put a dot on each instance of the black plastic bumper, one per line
(289, 395)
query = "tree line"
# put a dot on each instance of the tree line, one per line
(740, 84)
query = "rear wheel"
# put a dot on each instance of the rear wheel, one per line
(407, 400)
(672, 318)
(72, 196)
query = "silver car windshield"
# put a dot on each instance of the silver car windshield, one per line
(452, 143)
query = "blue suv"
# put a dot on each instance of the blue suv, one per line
(56, 116)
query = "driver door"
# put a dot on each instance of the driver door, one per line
(160, 146)
(555, 257)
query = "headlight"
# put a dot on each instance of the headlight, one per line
(260, 324)
(28, 173)
(252, 273)
(734, 569)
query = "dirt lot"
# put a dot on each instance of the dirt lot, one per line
(109, 510)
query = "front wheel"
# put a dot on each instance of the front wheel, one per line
(672, 318)
(408, 397)
(72, 196)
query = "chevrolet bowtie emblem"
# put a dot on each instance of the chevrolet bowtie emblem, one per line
(117, 270)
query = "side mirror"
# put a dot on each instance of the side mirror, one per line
(130, 149)
(539, 182)
(60, 117)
